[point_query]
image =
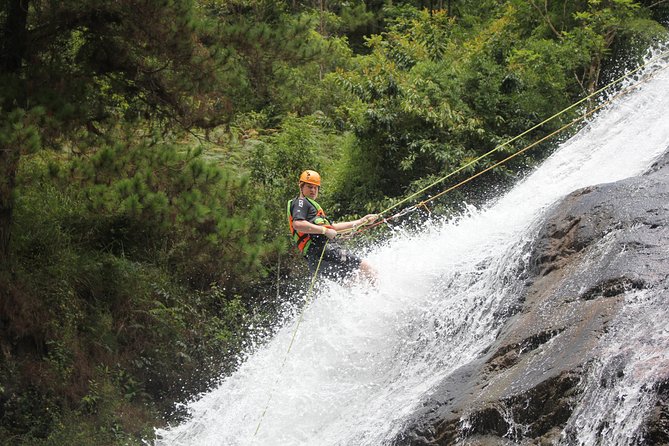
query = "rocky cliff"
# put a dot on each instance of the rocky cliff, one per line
(597, 247)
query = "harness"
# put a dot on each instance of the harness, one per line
(300, 239)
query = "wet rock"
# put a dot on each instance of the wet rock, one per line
(658, 422)
(596, 245)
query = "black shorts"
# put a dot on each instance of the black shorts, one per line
(338, 263)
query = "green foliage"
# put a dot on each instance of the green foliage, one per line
(306, 78)
(278, 159)
(115, 331)
(91, 61)
(147, 198)
(18, 129)
(436, 92)
(408, 112)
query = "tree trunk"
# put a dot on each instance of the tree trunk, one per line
(8, 165)
(15, 36)
(595, 69)
(11, 63)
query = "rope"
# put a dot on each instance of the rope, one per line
(506, 143)
(366, 226)
(292, 339)
(278, 277)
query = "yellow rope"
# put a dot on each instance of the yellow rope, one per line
(539, 141)
(590, 96)
(506, 143)
(292, 339)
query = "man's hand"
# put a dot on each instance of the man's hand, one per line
(330, 233)
(369, 218)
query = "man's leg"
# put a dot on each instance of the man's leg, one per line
(368, 272)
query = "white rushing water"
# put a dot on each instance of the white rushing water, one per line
(363, 358)
(617, 391)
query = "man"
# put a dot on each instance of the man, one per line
(310, 229)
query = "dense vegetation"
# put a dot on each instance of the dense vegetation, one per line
(147, 149)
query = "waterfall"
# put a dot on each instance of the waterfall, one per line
(364, 357)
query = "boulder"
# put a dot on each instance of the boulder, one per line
(596, 245)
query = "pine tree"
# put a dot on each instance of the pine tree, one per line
(75, 68)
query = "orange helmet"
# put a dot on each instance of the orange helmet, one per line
(311, 177)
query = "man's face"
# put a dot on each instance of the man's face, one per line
(310, 190)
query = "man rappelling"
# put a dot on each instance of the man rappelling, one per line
(312, 232)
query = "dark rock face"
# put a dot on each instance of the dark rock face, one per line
(597, 244)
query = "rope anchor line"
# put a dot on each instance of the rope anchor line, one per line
(582, 117)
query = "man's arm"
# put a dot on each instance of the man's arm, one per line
(308, 228)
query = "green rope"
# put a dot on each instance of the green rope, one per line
(351, 232)
(292, 339)
(576, 104)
